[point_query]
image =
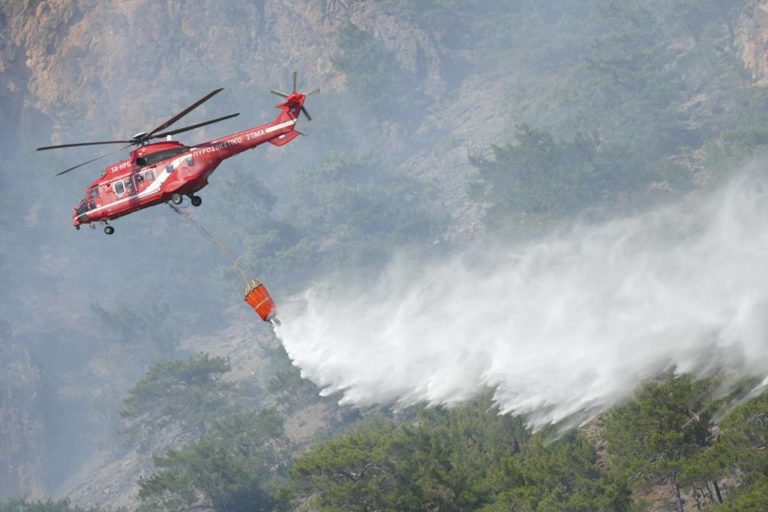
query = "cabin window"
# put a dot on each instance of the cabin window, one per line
(149, 175)
(119, 188)
(129, 185)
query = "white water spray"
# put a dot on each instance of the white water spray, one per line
(567, 325)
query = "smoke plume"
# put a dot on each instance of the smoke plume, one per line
(559, 328)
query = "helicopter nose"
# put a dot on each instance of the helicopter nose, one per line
(78, 218)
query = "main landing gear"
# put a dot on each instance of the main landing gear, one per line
(177, 199)
(109, 229)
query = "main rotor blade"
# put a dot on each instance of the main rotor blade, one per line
(93, 160)
(76, 144)
(192, 127)
(279, 93)
(309, 118)
(184, 112)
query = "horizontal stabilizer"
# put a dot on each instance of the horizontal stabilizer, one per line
(282, 140)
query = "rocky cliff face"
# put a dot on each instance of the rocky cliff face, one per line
(102, 69)
(120, 60)
(85, 69)
(753, 38)
(110, 69)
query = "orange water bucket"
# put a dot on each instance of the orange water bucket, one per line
(257, 296)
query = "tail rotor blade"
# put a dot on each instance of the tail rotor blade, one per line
(313, 91)
(279, 93)
(295, 77)
(304, 110)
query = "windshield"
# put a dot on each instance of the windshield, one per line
(82, 207)
(159, 156)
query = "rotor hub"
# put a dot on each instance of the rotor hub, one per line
(140, 138)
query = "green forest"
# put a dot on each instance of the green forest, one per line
(676, 442)
(615, 106)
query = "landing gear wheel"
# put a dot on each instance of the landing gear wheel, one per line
(109, 230)
(196, 200)
(177, 199)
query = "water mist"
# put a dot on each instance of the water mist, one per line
(565, 325)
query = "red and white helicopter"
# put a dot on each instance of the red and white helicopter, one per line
(158, 172)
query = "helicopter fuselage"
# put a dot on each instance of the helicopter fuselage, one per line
(166, 171)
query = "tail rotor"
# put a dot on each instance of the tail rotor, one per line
(295, 94)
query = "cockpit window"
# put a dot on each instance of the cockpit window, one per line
(93, 193)
(82, 207)
(152, 159)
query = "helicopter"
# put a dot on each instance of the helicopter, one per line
(159, 172)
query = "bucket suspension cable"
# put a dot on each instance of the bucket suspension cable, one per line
(256, 294)
(222, 248)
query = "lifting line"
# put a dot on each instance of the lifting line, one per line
(219, 245)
